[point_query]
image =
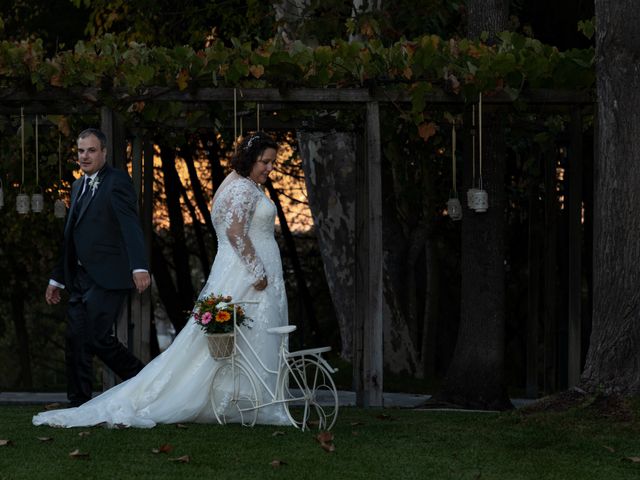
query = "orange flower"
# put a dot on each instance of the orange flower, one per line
(222, 316)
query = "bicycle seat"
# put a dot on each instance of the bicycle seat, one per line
(282, 330)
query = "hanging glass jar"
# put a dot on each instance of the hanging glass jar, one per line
(22, 203)
(59, 208)
(478, 198)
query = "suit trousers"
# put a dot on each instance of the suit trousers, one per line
(92, 312)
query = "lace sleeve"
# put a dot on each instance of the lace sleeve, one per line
(236, 209)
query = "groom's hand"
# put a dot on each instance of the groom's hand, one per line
(52, 295)
(142, 280)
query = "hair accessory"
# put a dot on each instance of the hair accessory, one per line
(251, 141)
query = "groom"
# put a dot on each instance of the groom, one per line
(103, 257)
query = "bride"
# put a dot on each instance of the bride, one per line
(175, 386)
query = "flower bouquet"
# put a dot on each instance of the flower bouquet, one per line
(215, 314)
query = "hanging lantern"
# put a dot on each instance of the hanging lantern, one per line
(37, 201)
(478, 198)
(454, 208)
(59, 208)
(472, 191)
(22, 203)
(1, 195)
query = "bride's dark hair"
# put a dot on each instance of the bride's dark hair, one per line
(250, 150)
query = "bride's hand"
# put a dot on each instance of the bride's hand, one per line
(261, 284)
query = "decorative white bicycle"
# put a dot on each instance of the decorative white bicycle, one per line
(303, 384)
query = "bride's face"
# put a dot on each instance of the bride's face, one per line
(263, 166)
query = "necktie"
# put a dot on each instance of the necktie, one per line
(84, 194)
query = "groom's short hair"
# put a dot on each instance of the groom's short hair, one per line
(99, 134)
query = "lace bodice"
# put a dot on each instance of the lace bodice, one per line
(242, 216)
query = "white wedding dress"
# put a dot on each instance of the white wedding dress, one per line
(175, 386)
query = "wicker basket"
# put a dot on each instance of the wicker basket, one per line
(220, 345)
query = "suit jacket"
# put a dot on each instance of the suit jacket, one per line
(105, 236)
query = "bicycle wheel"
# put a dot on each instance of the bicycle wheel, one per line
(311, 394)
(234, 396)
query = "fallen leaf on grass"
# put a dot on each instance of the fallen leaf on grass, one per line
(45, 439)
(52, 406)
(326, 441)
(78, 454)
(632, 459)
(324, 437)
(277, 433)
(182, 459)
(181, 425)
(384, 416)
(4, 443)
(166, 448)
(328, 447)
(609, 449)
(277, 463)
(84, 434)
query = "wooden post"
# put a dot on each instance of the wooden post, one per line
(533, 300)
(106, 125)
(146, 218)
(116, 151)
(574, 284)
(361, 254)
(113, 127)
(550, 274)
(369, 263)
(140, 303)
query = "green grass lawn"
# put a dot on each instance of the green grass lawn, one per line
(582, 443)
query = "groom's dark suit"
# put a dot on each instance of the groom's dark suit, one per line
(102, 246)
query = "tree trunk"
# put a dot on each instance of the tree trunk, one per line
(306, 315)
(475, 378)
(289, 16)
(165, 285)
(198, 231)
(329, 166)
(613, 361)
(176, 226)
(489, 16)
(190, 155)
(402, 338)
(329, 163)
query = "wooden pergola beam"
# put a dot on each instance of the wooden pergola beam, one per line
(82, 99)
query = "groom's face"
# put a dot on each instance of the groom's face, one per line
(91, 155)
